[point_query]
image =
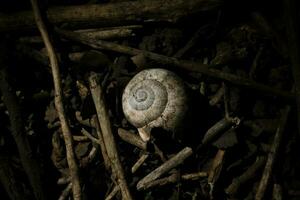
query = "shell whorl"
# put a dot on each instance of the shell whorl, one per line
(154, 97)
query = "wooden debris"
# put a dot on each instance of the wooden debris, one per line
(108, 138)
(139, 163)
(132, 138)
(113, 193)
(215, 170)
(111, 14)
(249, 174)
(184, 64)
(272, 155)
(74, 171)
(167, 166)
(64, 195)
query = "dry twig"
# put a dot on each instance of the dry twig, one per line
(215, 170)
(250, 173)
(111, 148)
(113, 193)
(132, 138)
(165, 167)
(139, 162)
(74, 172)
(184, 64)
(64, 195)
(95, 123)
(272, 156)
(111, 14)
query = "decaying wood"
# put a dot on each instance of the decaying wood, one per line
(184, 64)
(165, 167)
(272, 156)
(110, 14)
(58, 98)
(109, 141)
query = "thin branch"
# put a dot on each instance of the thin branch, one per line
(132, 138)
(165, 167)
(88, 135)
(95, 123)
(184, 64)
(110, 14)
(249, 174)
(139, 163)
(109, 141)
(272, 156)
(113, 193)
(74, 171)
(64, 195)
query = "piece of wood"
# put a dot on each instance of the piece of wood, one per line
(139, 163)
(100, 34)
(132, 138)
(162, 181)
(183, 64)
(95, 123)
(272, 156)
(194, 176)
(249, 174)
(65, 193)
(113, 193)
(58, 99)
(108, 138)
(215, 170)
(110, 14)
(165, 167)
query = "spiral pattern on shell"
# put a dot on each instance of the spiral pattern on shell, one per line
(156, 98)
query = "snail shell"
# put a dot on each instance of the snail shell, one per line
(154, 98)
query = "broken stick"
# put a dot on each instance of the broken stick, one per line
(108, 138)
(167, 166)
(184, 64)
(272, 156)
(74, 171)
(132, 138)
(110, 14)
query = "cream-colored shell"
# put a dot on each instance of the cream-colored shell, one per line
(155, 98)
